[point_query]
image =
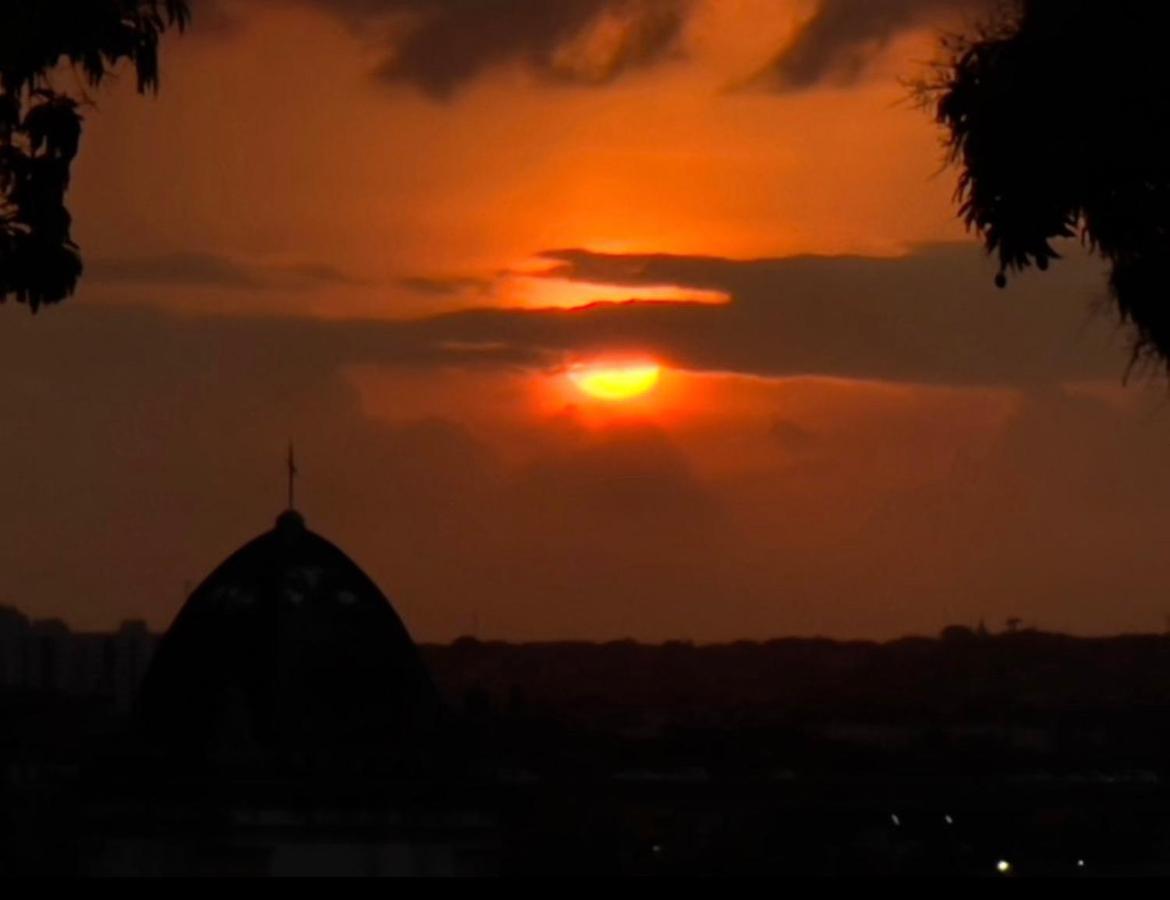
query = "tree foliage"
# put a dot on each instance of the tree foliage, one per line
(44, 43)
(1057, 114)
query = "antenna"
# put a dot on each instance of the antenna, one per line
(292, 477)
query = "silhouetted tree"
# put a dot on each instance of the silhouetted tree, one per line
(1058, 117)
(44, 42)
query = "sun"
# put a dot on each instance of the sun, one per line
(614, 382)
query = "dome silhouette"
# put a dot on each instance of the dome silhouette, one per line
(287, 648)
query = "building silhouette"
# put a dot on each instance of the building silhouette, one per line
(46, 655)
(288, 654)
(283, 724)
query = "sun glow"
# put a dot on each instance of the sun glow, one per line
(614, 382)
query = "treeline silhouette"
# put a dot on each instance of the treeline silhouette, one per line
(959, 671)
(1026, 700)
(41, 122)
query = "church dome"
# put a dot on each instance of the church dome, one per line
(287, 648)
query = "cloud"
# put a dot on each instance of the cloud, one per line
(446, 287)
(933, 316)
(193, 269)
(930, 317)
(439, 46)
(842, 37)
(215, 271)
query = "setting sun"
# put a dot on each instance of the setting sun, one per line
(615, 382)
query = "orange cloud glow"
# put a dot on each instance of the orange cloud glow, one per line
(538, 292)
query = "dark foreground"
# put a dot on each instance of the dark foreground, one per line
(1016, 754)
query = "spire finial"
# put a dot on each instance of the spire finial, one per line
(292, 477)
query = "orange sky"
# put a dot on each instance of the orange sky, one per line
(853, 432)
(270, 145)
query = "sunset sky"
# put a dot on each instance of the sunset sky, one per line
(410, 234)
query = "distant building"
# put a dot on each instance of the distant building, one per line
(47, 656)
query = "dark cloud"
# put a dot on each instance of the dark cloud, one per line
(439, 46)
(213, 270)
(194, 269)
(446, 287)
(933, 316)
(313, 273)
(836, 44)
